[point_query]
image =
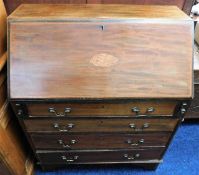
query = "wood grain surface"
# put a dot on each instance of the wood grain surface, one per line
(11, 5)
(121, 125)
(44, 12)
(99, 156)
(55, 59)
(100, 141)
(84, 108)
(179, 3)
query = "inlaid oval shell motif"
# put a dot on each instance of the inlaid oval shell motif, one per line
(104, 60)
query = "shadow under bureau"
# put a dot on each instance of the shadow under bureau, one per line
(99, 84)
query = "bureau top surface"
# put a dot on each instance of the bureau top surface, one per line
(96, 59)
(88, 11)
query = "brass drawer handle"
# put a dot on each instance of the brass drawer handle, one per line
(139, 142)
(68, 146)
(66, 128)
(136, 110)
(133, 126)
(69, 160)
(132, 157)
(59, 114)
(150, 110)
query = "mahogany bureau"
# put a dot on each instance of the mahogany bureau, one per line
(99, 84)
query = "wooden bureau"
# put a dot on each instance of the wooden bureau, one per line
(99, 84)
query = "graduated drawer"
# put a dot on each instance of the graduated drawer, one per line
(99, 125)
(76, 157)
(110, 108)
(100, 141)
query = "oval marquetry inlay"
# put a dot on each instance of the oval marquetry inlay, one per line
(103, 60)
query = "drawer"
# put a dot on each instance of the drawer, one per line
(147, 108)
(76, 157)
(100, 141)
(100, 125)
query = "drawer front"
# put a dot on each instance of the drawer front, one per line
(101, 141)
(100, 125)
(154, 108)
(99, 156)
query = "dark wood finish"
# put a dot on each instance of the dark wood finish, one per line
(118, 75)
(101, 141)
(100, 125)
(3, 91)
(110, 108)
(150, 165)
(196, 77)
(93, 157)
